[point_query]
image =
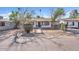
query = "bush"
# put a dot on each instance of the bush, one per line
(28, 27)
(63, 27)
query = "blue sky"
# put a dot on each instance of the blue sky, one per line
(45, 11)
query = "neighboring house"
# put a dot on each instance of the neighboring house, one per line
(6, 24)
(72, 23)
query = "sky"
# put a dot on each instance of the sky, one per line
(45, 11)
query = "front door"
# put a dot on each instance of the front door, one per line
(39, 24)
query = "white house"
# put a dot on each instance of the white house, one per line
(72, 23)
(42, 23)
(6, 24)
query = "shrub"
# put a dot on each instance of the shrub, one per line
(28, 27)
(63, 27)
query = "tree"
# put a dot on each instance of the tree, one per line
(13, 17)
(37, 16)
(25, 19)
(28, 25)
(74, 13)
(21, 16)
(57, 13)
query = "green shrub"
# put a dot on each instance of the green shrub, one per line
(63, 27)
(28, 27)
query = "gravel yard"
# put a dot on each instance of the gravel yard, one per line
(49, 40)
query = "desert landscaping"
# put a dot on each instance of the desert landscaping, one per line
(49, 40)
(39, 29)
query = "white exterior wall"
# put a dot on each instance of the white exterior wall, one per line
(8, 25)
(46, 26)
(42, 26)
(75, 24)
(35, 23)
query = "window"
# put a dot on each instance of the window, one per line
(67, 23)
(2, 23)
(78, 24)
(73, 23)
(46, 23)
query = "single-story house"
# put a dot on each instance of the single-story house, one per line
(72, 23)
(42, 23)
(45, 23)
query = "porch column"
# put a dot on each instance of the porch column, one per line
(50, 24)
(35, 24)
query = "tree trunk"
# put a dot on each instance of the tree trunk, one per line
(28, 31)
(16, 26)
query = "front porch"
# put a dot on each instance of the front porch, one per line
(42, 24)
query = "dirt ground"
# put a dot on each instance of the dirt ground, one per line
(49, 40)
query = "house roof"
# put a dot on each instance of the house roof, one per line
(72, 19)
(41, 19)
(4, 20)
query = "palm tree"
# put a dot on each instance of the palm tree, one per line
(57, 13)
(40, 11)
(40, 14)
(74, 13)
